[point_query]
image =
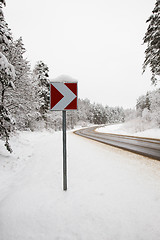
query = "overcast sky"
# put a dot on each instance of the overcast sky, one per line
(98, 42)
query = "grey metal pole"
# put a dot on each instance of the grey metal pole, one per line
(64, 153)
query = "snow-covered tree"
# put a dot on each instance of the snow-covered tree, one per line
(148, 108)
(129, 114)
(21, 101)
(71, 119)
(16, 57)
(41, 78)
(54, 120)
(152, 39)
(7, 76)
(142, 103)
(99, 114)
(5, 33)
(84, 113)
(155, 106)
(116, 115)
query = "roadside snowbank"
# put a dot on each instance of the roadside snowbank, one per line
(127, 129)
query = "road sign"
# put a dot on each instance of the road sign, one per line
(63, 96)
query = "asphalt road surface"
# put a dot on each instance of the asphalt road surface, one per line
(144, 146)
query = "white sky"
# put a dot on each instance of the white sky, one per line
(98, 42)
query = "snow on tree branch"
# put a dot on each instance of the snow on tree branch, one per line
(3, 2)
(7, 71)
(152, 39)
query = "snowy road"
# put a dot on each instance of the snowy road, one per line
(112, 194)
(144, 146)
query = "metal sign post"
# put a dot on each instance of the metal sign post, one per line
(64, 153)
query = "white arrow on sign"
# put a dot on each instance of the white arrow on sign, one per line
(69, 96)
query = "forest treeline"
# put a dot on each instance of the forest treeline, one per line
(25, 95)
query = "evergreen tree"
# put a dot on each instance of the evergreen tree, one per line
(143, 102)
(84, 112)
(152, 39)
(148, 108)
(99, 116)
(5, 32)
(41, 78)
(21, 101)
(154, 98)
(7, 76)
(16, 57)
(107, 113)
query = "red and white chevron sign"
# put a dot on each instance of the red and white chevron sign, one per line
(63, 96)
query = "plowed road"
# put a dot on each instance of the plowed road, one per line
(144, 146)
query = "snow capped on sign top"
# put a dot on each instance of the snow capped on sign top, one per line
(63, 78)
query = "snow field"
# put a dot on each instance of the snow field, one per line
(112, 194)
(128, 128)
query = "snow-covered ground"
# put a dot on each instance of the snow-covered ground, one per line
(129, 129)
(112, 194)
